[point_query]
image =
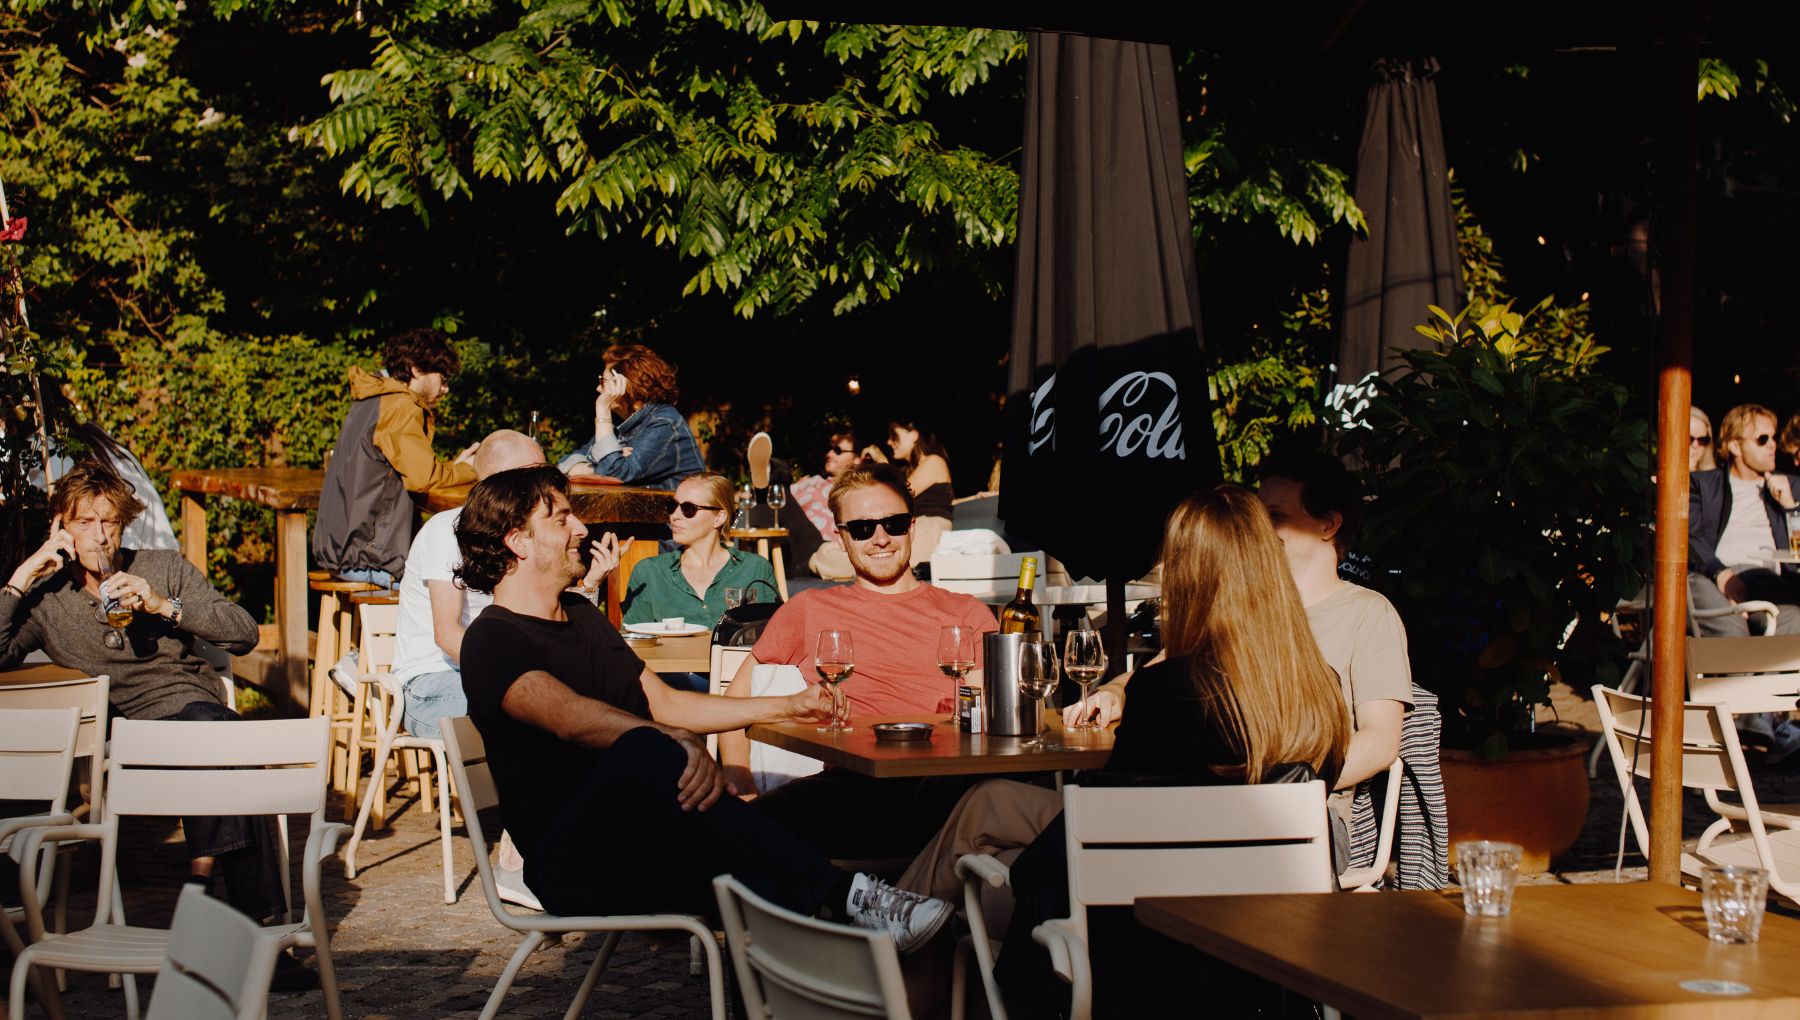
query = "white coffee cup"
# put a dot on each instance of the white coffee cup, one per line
(673, 623)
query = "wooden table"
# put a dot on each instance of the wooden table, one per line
(1567, 950)
(949, 752)
(290, 492)
(38, 673)
(691, 654)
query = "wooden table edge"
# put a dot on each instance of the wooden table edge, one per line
(922, 767)
(1154, 912)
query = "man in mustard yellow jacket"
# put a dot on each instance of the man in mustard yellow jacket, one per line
(384, 460)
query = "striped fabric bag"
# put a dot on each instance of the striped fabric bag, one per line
(1421, 852)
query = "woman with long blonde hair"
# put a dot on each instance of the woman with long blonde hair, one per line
(1243, 687)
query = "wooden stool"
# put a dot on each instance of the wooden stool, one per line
(763, 537)
(337, 627)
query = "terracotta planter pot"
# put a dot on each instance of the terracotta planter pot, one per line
(1537, 799)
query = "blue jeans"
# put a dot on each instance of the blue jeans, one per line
(430, 699)
(369, 575)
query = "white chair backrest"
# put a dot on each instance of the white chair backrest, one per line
(984, 574)
(1124, 843)
(88, 696)
(378, 624)
(259, 767)
(37, 752)
(219, 963)
(726, 661)
(792, 966)
(1754, 674)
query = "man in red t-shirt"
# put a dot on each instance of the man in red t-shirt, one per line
(894, 620)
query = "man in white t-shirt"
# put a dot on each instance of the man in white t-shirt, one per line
(1737, 521)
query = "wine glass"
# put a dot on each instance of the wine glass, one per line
(116, 615)
(835, 661)
(1084, 661)
(777, 500)
(956, 657)
(746, 496)
(1037, 680)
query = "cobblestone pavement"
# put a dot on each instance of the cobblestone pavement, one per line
(402, 953)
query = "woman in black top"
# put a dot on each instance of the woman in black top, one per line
(928, 475)
(1244, 690)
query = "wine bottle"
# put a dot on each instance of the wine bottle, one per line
(1019, 616)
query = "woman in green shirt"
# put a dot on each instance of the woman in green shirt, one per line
(690, 582)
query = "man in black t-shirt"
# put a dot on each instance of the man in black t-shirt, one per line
(608, 792)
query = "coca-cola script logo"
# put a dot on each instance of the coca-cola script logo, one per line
(1139, 411)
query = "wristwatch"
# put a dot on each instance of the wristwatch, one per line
(173, 613)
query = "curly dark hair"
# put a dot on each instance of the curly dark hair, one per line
(499, 505)
(652, 379)
(421, 350)
(864, 475)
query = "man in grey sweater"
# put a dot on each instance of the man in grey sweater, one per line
(57, 600)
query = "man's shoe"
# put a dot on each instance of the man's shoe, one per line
(761, 447)
(910, 918)
(511, 887)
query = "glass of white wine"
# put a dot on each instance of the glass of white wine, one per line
(116, 615)
(955, 658)
(777, 500)
(835, 660)
(1037, 681)
(1084, 660)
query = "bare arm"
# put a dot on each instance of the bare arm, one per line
(1376, 742)
(540, 700)
(703, 713)
(1106, 703)
(446, 617)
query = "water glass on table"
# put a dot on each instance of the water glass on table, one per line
(955, 658)
(1487, 871)
(1084, 661)
(1037, 680)
(1734, 899)
(734, 597)
(835, 660)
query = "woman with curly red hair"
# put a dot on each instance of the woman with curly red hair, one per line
(651, 444)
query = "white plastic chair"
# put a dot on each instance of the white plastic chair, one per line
(1365, 879)
(169, 768)
(88, 696)
(219, 964)
(385, 702)
(476, 791)
(1749, 676)
(1639, 657)
(792, 966)
(723, 665)
(1127, 843)
(1711, 760)
(37, 747)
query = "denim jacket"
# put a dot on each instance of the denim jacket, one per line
(663, 451)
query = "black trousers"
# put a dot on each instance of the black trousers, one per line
(847, 815)
(248, 859)
(622, 844)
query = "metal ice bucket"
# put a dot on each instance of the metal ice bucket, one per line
(1006, 712)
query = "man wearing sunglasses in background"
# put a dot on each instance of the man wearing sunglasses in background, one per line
(894, 619)
(1737, 518)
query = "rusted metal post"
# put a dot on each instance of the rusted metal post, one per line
(1677, 71)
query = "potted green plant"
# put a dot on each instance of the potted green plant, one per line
(1508, 485)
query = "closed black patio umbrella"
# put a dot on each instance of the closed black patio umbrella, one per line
(1409, 259)
(1108, 420)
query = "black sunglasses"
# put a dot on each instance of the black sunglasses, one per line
(1700, 440)
(863, 529)
(1763, 440)
(688, 510)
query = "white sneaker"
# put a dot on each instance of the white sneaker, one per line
(510, 884)
(1786, 742)
(912, 919)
